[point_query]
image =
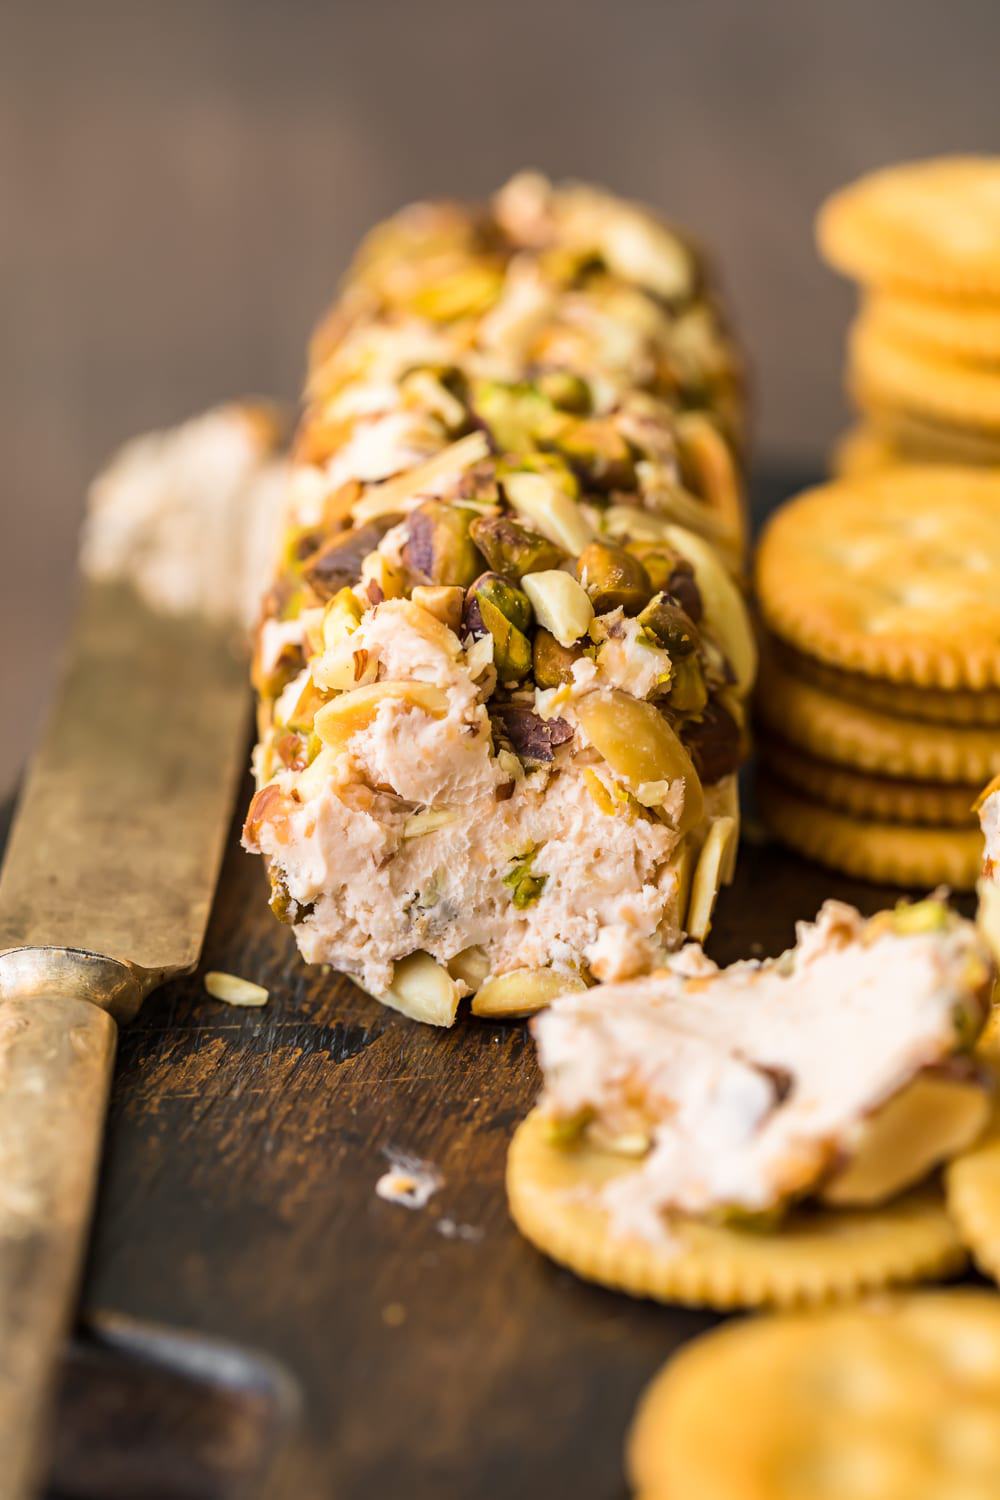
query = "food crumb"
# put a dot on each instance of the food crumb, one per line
(233, 990)
(452, 1231)
(409, 1181)
(394, 1315)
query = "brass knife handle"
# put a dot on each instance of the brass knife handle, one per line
(57, 1046)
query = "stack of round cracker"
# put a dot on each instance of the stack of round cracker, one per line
(879, 698)
(923, 241)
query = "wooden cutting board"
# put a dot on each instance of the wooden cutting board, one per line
(436, 1353)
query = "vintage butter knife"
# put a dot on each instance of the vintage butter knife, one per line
(105, 891)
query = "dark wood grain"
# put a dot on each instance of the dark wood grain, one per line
(238, 1203)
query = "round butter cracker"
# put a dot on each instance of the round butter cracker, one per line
(968, 329)
(891, 1399)
(886, 853)
(921, 440)
(861, 450)
(937, 705)
(895, 576)
(887, 371)
(866, 796)
(929, 226)
(817, 1255)
(866, 739)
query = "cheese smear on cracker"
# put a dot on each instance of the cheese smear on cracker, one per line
(740, 1089)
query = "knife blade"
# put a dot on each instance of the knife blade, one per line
(105, 891)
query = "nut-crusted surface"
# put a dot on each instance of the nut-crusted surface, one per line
(928, 226)
(498, 393)
(895, 1398)
(895, 576)
(820, 1255)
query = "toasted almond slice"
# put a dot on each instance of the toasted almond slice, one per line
(725, 610)
(708, 876)
(355, 710)
(397, 493)
(931, 1120)
(523, 992)
(550, 510)
(988, 914)
(233, 990)
(562, 606)
(470, 967)
(423, 990)
(706, 453)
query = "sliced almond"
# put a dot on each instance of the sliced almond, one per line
(523, 992)
(550, 510)
(398, 493)
(423, 990)
(929, 1121)
(471, 966)
(233, 990)
(562, 606)
(708, 877)
(725, 611)
(355, 710)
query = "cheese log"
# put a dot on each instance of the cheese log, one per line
(502, 668)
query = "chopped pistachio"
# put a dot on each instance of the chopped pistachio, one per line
(439, 549)
(597, 452)
(513, 549)
(505, 612)
(566, 390)
(552, 663)
(669, 626)
(429, 820)
(525, 886)
(433, 395)
(688, 689)
(518, 415)
(613, 578)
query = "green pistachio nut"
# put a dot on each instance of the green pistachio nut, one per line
(670, 626)
(518, 415)
(552, 663)
(525, 886)
(512, 549)
(565, 390)
(596, 451)
(613, 578)
(495, 605)
(688, 691)
(439, 548)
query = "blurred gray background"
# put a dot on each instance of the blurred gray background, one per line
(181, 183)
